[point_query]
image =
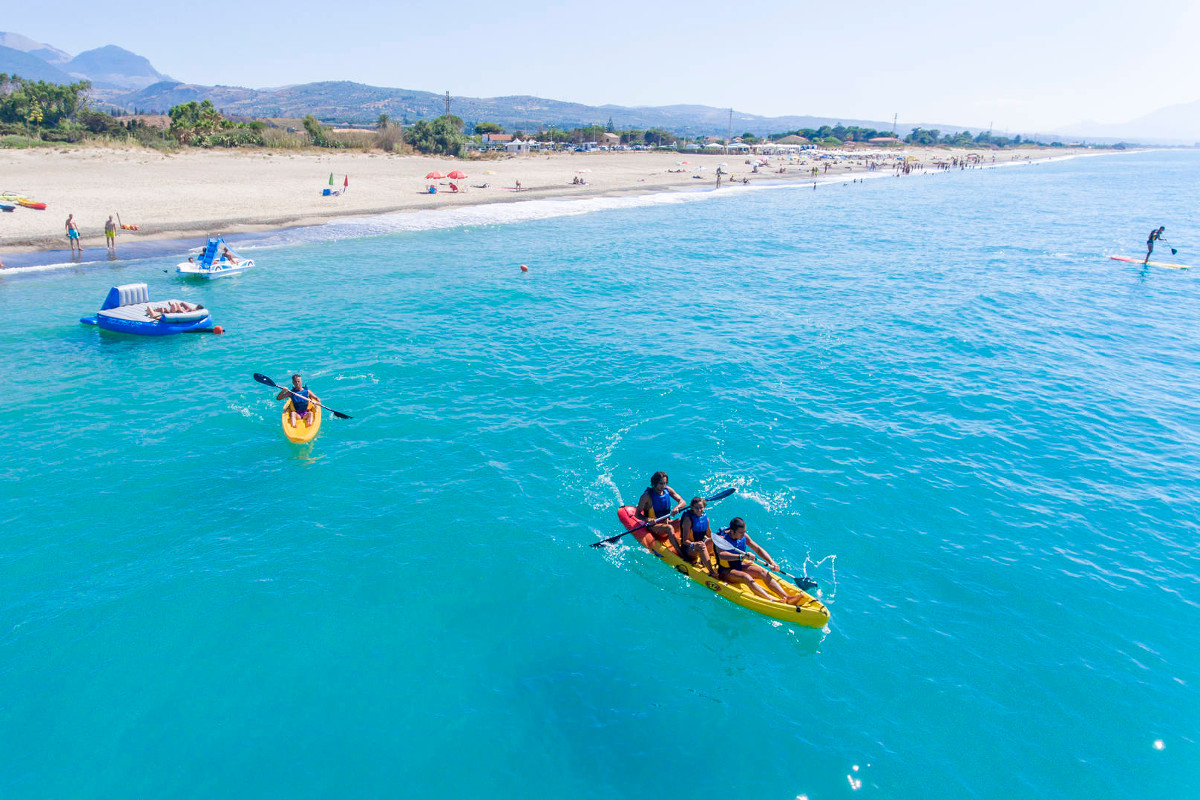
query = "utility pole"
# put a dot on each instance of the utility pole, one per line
(447, 102)
(895, 117)
(729, 136)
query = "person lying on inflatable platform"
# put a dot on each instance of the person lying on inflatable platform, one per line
(656, 503)
(301, 407)
(735, 563)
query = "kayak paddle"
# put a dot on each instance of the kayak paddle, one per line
(804, 582)
(258, 376)
(718, 496)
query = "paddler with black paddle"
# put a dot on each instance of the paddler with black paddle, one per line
(301, 401)
(735, 563)
(1154, 237)
(655, 503)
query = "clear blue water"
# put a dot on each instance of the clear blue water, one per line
(935, 393)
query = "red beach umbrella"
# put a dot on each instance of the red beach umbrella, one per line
(458, 175)
(433, 176)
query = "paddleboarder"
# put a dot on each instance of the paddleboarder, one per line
(1154, 237)
(300, 395)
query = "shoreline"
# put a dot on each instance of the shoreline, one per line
(173, 191)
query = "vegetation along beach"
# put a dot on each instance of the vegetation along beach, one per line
(477, 401)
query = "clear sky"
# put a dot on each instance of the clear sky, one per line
(1023, 65)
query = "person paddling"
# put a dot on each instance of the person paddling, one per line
(693, 533)
(735, 563)
(1154, 237)
(301, 407)
(656, 502)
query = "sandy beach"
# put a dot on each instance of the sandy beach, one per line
(199, 192)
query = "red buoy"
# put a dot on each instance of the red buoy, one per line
(218, 329)
(524, 268)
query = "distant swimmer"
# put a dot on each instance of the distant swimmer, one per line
(1154, 237)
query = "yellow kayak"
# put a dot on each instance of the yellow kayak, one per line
(301, 432)
(811, 613)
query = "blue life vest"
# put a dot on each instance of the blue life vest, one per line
(662, 503)
(300, 400)
(727, 558)
(699, 525)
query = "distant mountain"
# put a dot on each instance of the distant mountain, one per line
(112, 67)
(344, 101)
(51, 55)
(30, 67)
(1178, 124)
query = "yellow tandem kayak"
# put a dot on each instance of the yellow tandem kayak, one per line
(301, 432)
(811, 613)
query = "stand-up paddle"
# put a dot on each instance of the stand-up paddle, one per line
(611, 539)
(263, 379)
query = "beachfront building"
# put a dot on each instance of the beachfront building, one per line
(517, 146)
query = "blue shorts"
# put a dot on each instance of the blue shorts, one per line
(72, 234)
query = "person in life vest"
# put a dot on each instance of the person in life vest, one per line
(735, 563)
(302, 400)
(656, 503)
(694, 541)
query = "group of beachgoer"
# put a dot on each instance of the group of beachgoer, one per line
(302, 401)
(110, 235)
(226, 259)
(728, 554)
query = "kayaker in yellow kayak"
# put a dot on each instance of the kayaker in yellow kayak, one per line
(656, 502)
(300, 395)
(695, 544)
(735, 563)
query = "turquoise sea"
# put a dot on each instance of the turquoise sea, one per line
(934, 393)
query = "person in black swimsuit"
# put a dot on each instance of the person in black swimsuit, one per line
(1154, 237)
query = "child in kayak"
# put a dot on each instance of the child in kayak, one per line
(301, 405)
(735, 563)
(656, 502)
(695, 544)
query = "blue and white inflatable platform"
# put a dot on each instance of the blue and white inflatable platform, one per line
(128, 309)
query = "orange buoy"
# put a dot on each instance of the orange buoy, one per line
(524, 268)
(218, 329)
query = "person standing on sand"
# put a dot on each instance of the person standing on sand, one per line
(110, 235)
(73, 235)
(1154, 237)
